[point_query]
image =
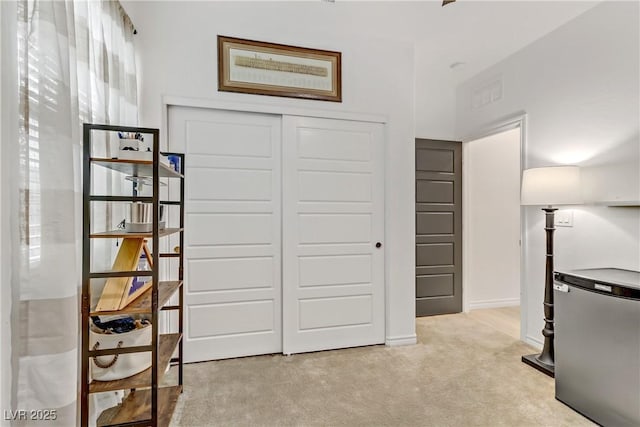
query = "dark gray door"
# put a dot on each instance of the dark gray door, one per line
(438, 227)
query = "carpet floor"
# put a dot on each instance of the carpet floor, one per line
(461, 373)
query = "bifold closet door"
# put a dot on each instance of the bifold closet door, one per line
(233, 234)
(333, 217)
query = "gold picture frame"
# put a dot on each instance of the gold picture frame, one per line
(254, 67)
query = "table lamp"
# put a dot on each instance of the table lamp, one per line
(549, 187)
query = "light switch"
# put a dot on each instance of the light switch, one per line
(564, 218)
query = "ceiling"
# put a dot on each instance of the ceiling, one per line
(476, 33)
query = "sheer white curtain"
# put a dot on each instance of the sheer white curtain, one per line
(76, 63)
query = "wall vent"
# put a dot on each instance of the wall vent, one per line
(487, 93)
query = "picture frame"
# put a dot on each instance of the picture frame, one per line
(262, 68)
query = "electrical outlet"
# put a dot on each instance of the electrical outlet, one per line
(563, 218)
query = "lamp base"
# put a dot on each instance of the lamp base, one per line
(532, 360)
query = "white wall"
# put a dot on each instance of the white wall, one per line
(176, 42)
(579, 87)
(492, 273)
(435, 94)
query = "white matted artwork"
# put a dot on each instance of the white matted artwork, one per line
(263, 68)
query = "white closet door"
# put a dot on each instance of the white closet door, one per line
(333, 213)
(232, 240)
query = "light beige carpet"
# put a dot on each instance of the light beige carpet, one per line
(503, 319)
(461, 373)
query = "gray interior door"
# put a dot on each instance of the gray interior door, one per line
(438, 227)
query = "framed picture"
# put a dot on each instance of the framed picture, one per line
(262, 68)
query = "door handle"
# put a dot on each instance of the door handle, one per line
(378, 245)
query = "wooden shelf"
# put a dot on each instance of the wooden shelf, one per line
(136, 167)
(142, 199)
(136, 407)
(619, 203)
(167, 345)
(121, 234)
(142, 304)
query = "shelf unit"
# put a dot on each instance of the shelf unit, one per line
(148, 403)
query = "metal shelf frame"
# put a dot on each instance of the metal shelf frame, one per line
(158, 413)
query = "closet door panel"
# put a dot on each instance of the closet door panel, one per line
(233, 304)
(333, 212)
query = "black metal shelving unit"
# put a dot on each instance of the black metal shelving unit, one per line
(148, 403)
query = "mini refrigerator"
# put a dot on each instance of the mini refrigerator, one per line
(597, 344)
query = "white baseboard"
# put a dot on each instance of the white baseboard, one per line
(534, 342)
(494, 303)
(404, 340)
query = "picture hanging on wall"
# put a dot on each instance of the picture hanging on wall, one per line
(262, 68)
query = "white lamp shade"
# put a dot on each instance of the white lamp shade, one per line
(556, 185)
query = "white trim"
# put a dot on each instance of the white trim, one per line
(164, 126)
(401, 340)
(466, 220)
(509, 122)
(534, 342)
(167, 318)
(169, 100)
(494, 303)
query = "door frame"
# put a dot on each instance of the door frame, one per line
(284, 110)
(517, 120)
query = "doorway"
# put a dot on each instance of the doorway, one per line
(493, 229)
